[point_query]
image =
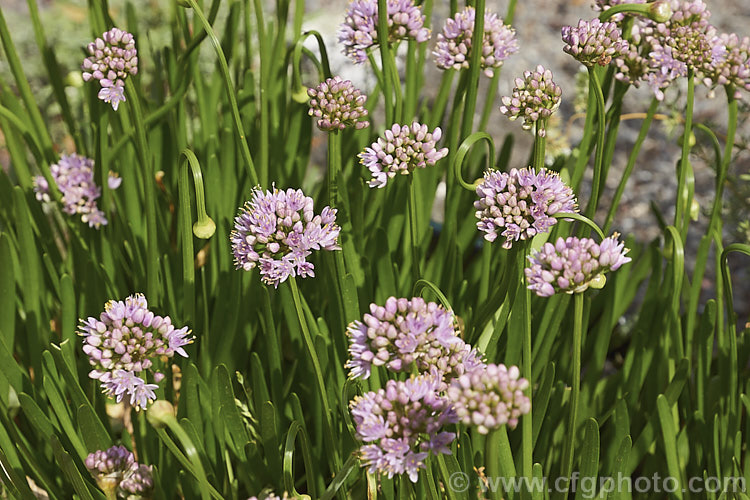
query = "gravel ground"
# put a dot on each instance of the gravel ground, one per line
(538, 24)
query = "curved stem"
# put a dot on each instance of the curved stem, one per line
(567, 467)
(631, 163)
(229, 87)
(687, 134)
(203, 228)
(632, 8)
(463, 151)
(580, 218)
(310, 345)
(599, 157)
(152, 251)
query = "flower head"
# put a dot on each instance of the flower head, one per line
(490, 397)
(402, 149)
(454, 43)
(521, 203)
(139, 482)
(573, 264)
(278, 230)
(112, 58)
(359, 32)
(405, 334)
(115, 470)
(730, 62)
(594, 42)
(338, 105)
(124, 342)
(402, 424)
(535, 97)
(74, 176)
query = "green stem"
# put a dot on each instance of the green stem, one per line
(539, 145)
(680, 211)
(498, 459)
(265, 108)
(567, 467)
(152, 250)
(631, 164)
(334, 167)
(477, 39)
(236, 120)
(203, 228)
(385, 55)
(310, 346)
(414, 229)
(527, 442)
(600, 135)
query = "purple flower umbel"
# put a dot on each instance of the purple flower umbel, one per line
(401, 425)
(402, 149)
(74, 176)
(124, 342)
(535, 97)
(453, 49)
(571, 265)
(359, 32)
(521, 203)
(593, 42)
(111, 59)
(278, 230)
(115, 470)
(490, 397)
(338, 105)
(730, 63)
(407, 334)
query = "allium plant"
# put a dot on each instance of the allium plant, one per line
(573, 264)
(112, 58)
(594, 42)
(402, 149)
(535, 97)
(359, 32)
(521, 203)
(74, 176)
(402, 424)
(337, 104)
(277, 231)
(125, 343)
(453, 50)
(116, 472)
(408, 334)
(489, 397)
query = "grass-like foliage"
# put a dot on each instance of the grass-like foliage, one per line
(192, 305)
